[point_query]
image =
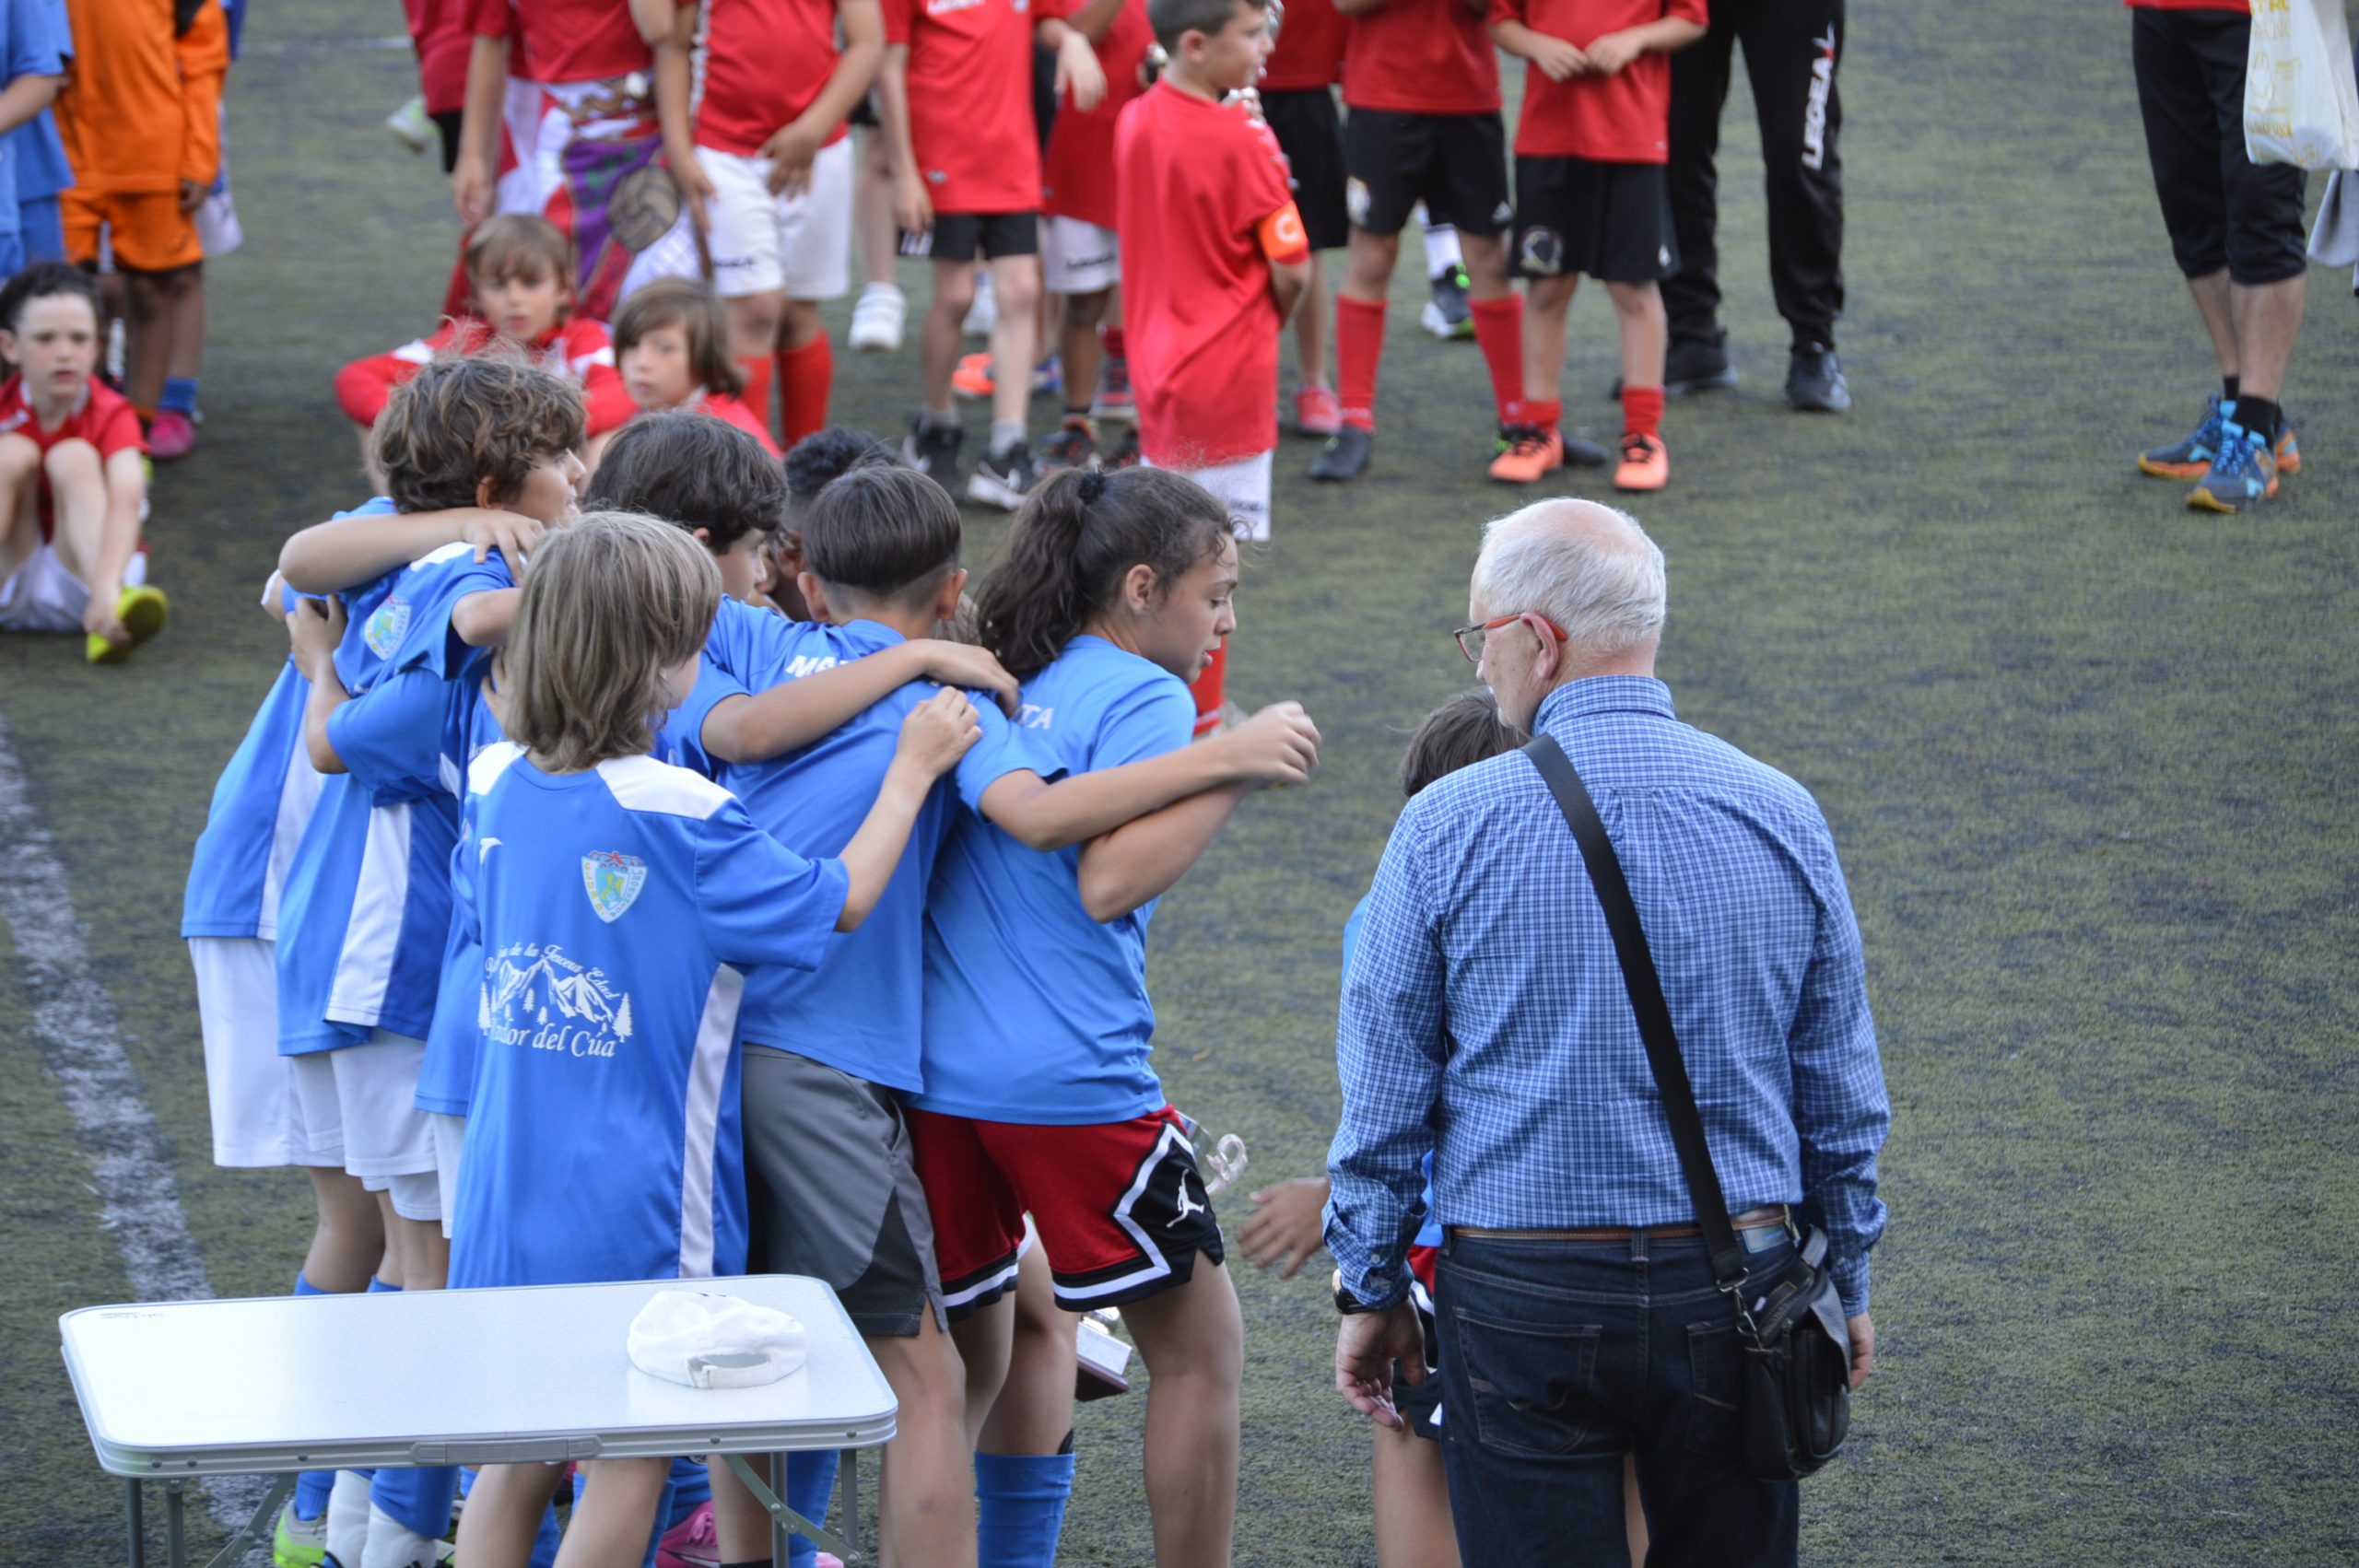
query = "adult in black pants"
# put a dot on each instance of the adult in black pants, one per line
(1791, 50)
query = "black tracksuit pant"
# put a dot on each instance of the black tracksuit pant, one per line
(1791, 49)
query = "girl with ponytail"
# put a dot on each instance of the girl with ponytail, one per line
(1111, 594)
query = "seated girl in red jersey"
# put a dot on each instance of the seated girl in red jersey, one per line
(520, 271)
(70, 474)
(672, 348)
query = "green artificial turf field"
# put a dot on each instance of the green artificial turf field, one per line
(2088, 755)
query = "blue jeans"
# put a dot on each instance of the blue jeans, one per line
(1557, 1358)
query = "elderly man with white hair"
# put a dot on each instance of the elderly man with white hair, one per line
(1485, 1021)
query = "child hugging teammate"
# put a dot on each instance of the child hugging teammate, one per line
(1112, 592)
(957, 92)
(765, 166)
(1591, 199)
(1422, 82)
(70, 559)
(520, 272)
(644, 962)
(672, 350)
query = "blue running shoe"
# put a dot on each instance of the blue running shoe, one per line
(2190, 457)
(2242, 475)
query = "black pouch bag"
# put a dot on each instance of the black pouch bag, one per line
(1797, 1348)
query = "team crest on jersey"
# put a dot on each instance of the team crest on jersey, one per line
(1542, 254)
(387, 626)
(613, 881)
(537, 998)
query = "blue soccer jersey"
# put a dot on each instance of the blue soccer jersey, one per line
(1033, 1012)
(265, 798)
(859, 1015)
(734, 663)
(615, 909)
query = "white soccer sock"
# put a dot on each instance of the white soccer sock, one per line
(393, 1544)
(348, 1517)
(1441, 249)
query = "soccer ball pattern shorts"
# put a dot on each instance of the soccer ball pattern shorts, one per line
(1120, 1206)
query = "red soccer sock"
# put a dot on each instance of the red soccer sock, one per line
(1498, 329)
(1209, 690)
(1642, 410)
(802, 377)
(756, 395)
(1359, 348)
(1112, 339)
(1547, 415)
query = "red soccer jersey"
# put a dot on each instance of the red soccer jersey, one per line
(970, 102)
(1078, 179)
(1623, 118)
(765, 62)
(567, 41)
(1421, 57)
(105, 419)
(720, 406)
(579, 350)
(1196, 181)
(1310, 48)
(443, 36)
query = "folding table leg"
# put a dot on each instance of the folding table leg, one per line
(850, 1480)
(138, 1524)
(779, 1549)
(176, 1523)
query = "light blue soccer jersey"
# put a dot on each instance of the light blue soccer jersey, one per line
(616, 909)
(859, 1014)
(734, 657)
(1033, 1012)
(265, 799)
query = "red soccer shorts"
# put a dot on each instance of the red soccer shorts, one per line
(1120, 1206)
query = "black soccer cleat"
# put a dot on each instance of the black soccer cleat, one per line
(1347, 454)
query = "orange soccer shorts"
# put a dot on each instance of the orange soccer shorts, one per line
(145, 229)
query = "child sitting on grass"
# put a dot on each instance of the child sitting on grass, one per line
(520, 271)
(671, 346)
(71, 557)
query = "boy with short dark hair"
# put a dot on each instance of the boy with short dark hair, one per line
(1216, 260)
(1422, 82)
(957, 92)
(1592, 198)
(71, 481)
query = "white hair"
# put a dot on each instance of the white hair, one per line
(1588, 568)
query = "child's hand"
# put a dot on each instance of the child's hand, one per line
(695, 190)
(1079, 71)
(938, 733)
(970, 669)
(791, 151)
(1277, 745)
(912, 208)
(1610, 53)
(1558, 59)
(192, 195)
(1288, 1222)
(315, 626)
(513, 535)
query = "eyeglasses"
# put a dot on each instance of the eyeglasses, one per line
(1470, 639)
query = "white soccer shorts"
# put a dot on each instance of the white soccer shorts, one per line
(799, 246)
(257, 1117)
(1078, 257)
(1243, 490)
(371, 1090)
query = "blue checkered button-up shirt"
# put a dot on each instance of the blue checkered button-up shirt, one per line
(1484, 1015)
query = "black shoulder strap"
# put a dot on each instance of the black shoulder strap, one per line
(1646, 1002)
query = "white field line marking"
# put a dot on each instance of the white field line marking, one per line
(322, 45)
(74, 1024)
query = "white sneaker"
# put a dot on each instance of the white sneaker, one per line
(983, 315)
(412, 126)
(877, 319)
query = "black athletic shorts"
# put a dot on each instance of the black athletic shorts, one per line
(2222, 209)
(1609, 221)
(1456, 164)
(1310, 133)
(833, 1193)
(864, 112)
(963, 236)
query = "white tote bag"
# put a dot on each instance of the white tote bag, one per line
(2301, 102)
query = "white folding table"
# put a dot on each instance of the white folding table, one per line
(174, 1390)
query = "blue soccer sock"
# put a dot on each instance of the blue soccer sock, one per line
(311, 1487)
(417, 1499)
(1020, 1508)
(810, 1478)
(377, 1287)
(180, 395)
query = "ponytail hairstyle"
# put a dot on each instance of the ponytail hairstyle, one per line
(609, 604)
(1075, 542)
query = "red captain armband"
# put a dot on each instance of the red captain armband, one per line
(1282, 236)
